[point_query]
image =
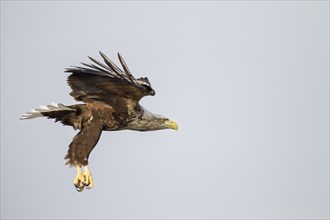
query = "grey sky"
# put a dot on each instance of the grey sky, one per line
(247, 82)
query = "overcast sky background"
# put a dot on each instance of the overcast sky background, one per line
(247, 82)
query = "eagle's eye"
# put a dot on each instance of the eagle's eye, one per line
(149, 90)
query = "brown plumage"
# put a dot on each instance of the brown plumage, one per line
(111, 102)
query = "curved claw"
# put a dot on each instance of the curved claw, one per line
(83, 180)
(88, 180)
(78, 181)
(80, 189)
(89, 185)
(79, 184)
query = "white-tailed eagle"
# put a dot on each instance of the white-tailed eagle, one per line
(111, 102)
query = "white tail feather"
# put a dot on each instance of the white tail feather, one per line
(34, 113)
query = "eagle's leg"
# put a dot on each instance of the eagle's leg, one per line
(79, 150)
(78, 182)
(88, 180)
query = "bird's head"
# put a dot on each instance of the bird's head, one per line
(158, 122)
(165, 123)
(151, 122)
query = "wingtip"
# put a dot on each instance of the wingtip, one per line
(120, 57)
(102, 54)
(69, 69)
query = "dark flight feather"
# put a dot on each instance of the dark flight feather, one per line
(125, 67)
(101, 64)
(112, 65)
(96, 67)
(99, 84)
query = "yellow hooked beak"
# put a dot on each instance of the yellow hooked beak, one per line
(171, 124)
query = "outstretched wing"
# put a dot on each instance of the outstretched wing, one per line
(106, 82)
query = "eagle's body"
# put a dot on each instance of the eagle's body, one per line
(111, 102)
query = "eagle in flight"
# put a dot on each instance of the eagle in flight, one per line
(111, 102)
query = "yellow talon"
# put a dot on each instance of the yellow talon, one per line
(88, 180)
(83, 179)
(78, 181)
